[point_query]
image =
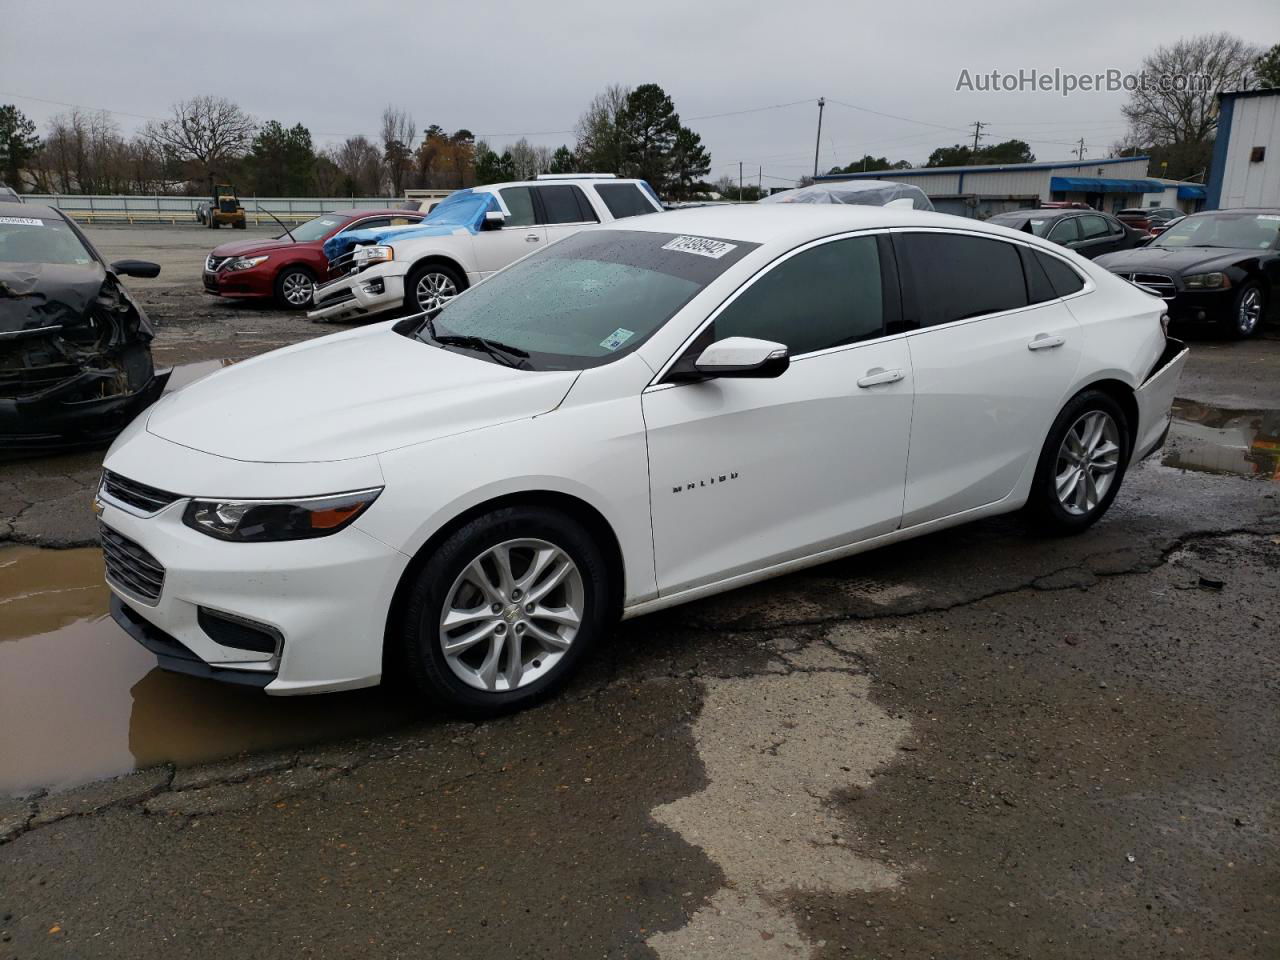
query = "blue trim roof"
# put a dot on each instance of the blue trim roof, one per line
(978, 168)
(1104, 185)
(1191, 191)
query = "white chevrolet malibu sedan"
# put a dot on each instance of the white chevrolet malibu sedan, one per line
(642, 414)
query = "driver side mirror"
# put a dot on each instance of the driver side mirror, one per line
(136, 268)
(493, 220)
(743, 357)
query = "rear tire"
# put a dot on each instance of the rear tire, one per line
(516, 639)
(1081, 466)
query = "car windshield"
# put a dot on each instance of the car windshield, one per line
(40, 240)
(315, 229)
(1238, 231)
(584, 301)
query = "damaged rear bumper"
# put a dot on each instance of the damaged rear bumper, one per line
(1155, 400)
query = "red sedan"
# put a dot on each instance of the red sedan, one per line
(289, 266)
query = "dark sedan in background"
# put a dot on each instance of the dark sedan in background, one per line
(75, 349)
(1221, 267)
(1144, 219)
(1089, 233)
(287, 268)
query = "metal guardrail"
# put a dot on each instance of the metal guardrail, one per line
(104, 208)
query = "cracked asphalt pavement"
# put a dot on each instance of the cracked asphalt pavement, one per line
(978, 744)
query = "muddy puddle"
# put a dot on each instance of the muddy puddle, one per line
(1219, 440)
(80, 700)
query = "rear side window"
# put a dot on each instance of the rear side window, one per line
(827, 296)
(953, 277)
(625, 199)
(519, 201)
(566, 203)
(1093, 227)
(1065, 281)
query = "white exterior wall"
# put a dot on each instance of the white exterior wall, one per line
(1255, 122)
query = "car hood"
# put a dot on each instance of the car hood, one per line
(349, 395)
(1172, 260)
(34, 295)
(244, 248)
(462, 213)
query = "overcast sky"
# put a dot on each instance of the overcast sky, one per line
(502, 70)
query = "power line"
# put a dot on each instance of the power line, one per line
(894, 116)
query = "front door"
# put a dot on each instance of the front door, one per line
(521, 234)
(746, 473)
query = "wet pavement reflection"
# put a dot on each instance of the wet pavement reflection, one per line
(1212, 439)
(79, 700)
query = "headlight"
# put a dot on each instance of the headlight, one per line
(257, 521)
(364, 256)
(1207, 281)
(244, 263)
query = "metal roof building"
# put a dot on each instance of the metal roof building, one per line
(1245, 171)
(985, 190)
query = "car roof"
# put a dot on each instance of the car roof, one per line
(791, 222)
(1049, 213)
(558, 181)
(1269, 211)
(357, 213)
(10, 209)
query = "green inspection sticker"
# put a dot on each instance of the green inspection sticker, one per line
(616, 339)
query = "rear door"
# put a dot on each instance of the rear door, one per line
(1098, 235)
(521, 232)
(992, 361)
(564, 209)
(746, 473)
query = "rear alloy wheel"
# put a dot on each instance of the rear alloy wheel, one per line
(503, 611)
(1081, 465)
(1246, 317)
(294, 288)
(431, 287)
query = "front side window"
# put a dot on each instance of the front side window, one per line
(40, 240)
(370, 224)
(625, 199)
(585, 300)
(827, 296)
(519, 201)
(954, 277)
(565, 203)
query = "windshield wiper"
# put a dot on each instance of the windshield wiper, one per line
(502, 352)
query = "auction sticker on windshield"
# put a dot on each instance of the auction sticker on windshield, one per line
(702, 246)
(617, 338)
(23, 221)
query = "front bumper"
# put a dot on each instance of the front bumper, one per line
(257, 281)
(1202, 306)
(358, 295)
(325, 600)
(54, 419)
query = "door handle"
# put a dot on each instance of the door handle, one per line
(531, 238)
(1042, 341)
(879, 375)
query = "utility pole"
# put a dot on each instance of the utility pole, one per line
(760, 181)
(739, 181)
(817, 145)
(1080, 151)
(977, 133)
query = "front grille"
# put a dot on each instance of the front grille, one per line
(1161, 283)
(129, 567)
(214, 264)
(138, 495)
(341, 296)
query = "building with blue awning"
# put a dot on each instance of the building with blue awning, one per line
(984, 190)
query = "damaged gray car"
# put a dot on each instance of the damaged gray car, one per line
(75, 349)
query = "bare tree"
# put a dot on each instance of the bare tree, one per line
(600, 147)
(398, 134)
(361, 165)
(1178, 103)
(524, 159)
(204, 132)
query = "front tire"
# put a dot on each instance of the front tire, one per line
(503, 612)
(1081, 466)
(294, 288)
(1247, 312)
(430, 287)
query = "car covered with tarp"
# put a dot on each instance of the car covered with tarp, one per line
(75, 354)
(875, 193)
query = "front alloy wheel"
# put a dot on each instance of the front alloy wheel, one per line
(1248, 311)
(433, 290)
(511, 615)
(296, 288)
